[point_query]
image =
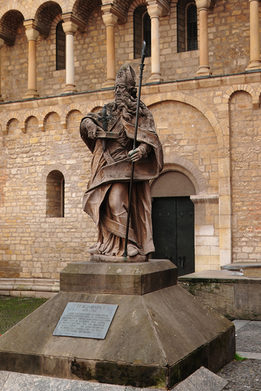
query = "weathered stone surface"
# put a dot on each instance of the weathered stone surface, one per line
(124, 278)
(3, 378)
(231, 295)
(202, 380)
(249, 337)
(155, 339)
(196, 120)
(13, 381)
(24, 382)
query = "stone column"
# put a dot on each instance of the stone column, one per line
(255, 62)
(1, 45)
(70, 28)
(32, 35)
(155, 11)
(203, 6)
(110, 21)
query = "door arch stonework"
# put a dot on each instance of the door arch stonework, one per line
(191, 147)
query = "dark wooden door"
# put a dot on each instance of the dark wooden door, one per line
(173, 231)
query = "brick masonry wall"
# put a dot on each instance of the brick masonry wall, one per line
(192, 122)
(196, 121)
(246, 184)
(189, 136)
(14, 68)
(32, 244)
(228, 26)
(90, 59)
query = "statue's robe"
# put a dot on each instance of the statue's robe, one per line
(111, 165)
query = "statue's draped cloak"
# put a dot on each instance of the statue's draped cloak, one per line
(110, 165)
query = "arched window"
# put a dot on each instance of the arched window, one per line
(55, 194)
(60, 47)
(142, 31)
(187, 30)
(192, 27)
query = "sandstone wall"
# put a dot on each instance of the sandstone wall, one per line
(246, 185)
(33, 244)
(228, 25)
(198, 123)
(209, 128)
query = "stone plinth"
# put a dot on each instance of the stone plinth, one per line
(160, 333)
(123, 279)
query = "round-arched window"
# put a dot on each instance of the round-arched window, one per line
(55, 194)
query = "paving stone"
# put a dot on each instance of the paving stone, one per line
(250, 355)
(240, 323)
(249, 338)
(22, 382)
(202, 379)
(3, 378)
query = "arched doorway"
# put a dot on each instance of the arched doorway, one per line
(173, 220)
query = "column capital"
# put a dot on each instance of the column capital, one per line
(112, 9)
(157, 6)
(154, 10)
(68, 17)
(30, 30)
(203, 4)
(109, 19)
(69, 27)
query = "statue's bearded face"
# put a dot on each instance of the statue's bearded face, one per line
(124, 101)
(121, 93)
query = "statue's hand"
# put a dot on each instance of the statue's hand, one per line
(92, 129)
(135, 154)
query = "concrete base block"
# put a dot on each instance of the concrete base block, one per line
(159, 335)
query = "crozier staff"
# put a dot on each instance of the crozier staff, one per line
(106, 197)
(134, 151)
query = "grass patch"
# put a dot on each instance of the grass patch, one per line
(239, 358)
(14, 309)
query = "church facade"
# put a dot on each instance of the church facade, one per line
(201, 82)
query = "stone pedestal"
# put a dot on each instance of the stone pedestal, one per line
(160, 333)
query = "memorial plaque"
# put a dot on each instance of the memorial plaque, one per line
(85, 320)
